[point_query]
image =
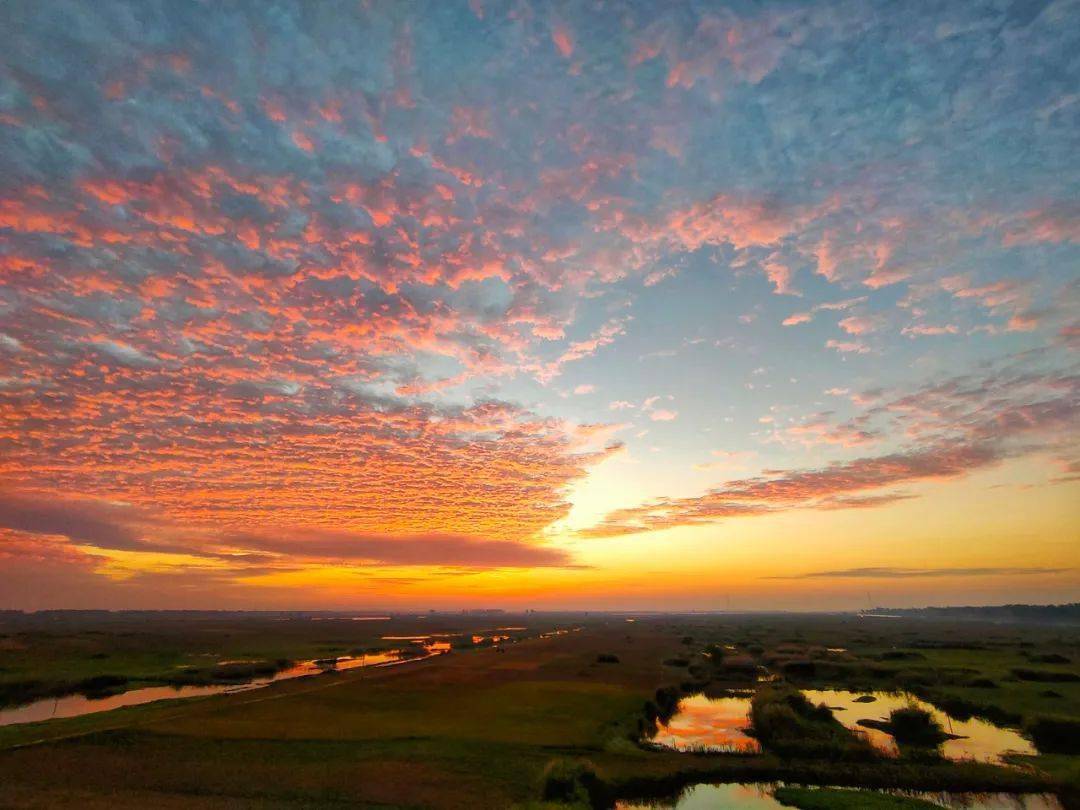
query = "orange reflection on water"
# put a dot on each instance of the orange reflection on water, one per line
(703, 723)
(976, 739)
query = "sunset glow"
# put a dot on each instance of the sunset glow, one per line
(497, 304)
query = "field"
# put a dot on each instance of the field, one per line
(542, 721)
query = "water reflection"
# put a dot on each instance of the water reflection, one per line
(76, 705)
(702, 723)
(981, 741)
(759, 796)
(710, 797)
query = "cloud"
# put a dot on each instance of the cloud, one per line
(656, 276)
(98, 524)
(860, 324)
(663, 415)
(92, 522)
(805, 317)
(888, 572)
(847, 346)
(284, 277)
(564, 42)
(924, 330)
(409, 550)
(780, 275)
(957, 427)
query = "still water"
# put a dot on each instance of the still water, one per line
(981, 741)
(702, 723)
(759, 796)
(75, 705)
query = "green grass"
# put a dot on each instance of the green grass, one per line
(51, 657)
(477, 728)
(828, 799)
(786, 723)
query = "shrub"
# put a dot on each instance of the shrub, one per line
(667, 701)
(569, 782)
(739, 666)
(715, 653)
(245, 671)
(914, 726)
(786, 723)
(1055, 735)
(676, 662)
(799, 669)
(607, 658)
(101, 685)
(1045, 676)
(965, 709)
(1049, 658)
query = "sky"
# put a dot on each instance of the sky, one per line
(599, 305)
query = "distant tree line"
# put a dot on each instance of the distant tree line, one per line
(1039, 614)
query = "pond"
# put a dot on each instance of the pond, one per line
(981, 740)
(76, 705)
(759, 796)
(702, 723)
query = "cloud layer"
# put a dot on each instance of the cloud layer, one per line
(285, 284)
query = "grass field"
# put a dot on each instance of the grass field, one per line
(481, 728)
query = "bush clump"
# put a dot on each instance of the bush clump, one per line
(911, 725)
(785, 722)
(570, 782)
(101, 685)
(667, 701)
(1049, 658)
(245, 671)
(799, 669)
(607, 658)
(1045, 676)
(715, 652)
(1055, 735)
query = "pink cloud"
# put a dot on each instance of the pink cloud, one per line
(780, 276)
(848, 346)
(918, 330)
(563, 40)
(656, 276)
(1051, 225)
(860, 324)
(958, 427)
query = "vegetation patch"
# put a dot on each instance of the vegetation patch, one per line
(1045, 675)
(834, 799)
(911, 725)
(788, 724)
(571, 782)
(1055, 735)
